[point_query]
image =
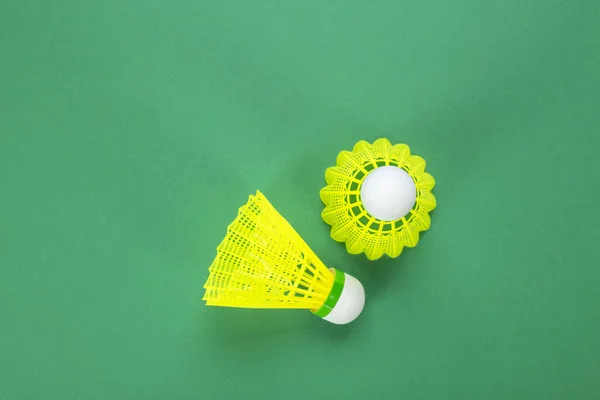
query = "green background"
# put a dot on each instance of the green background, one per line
(132, 130)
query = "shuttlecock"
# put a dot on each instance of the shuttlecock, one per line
(264, 263)
(378, 198)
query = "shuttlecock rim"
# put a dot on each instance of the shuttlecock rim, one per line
(339, 280)
(345, 301)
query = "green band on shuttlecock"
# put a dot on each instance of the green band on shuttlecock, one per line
(334, 295)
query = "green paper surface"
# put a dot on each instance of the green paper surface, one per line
(131, 131)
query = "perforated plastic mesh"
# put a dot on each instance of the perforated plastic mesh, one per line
(264, 263)
(349, 220)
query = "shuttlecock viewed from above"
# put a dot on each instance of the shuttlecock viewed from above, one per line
(264, 263)
(378, 198)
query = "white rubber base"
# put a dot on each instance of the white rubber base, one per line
(388, 193)
(350, 303)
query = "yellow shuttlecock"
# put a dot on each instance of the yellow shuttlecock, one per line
(264, 263)
(378, 198)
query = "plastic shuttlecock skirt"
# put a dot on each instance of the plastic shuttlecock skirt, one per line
(263, 263)
(378, 198)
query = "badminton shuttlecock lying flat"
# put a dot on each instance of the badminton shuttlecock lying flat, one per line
(264, 263)
(378, 198)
